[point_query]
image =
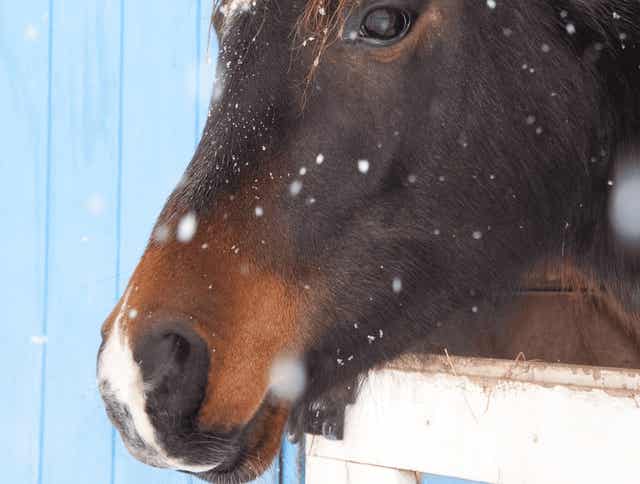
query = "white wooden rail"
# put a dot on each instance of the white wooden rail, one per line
(496, 421)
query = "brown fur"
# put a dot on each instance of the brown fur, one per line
(592, 296)
(246, 314)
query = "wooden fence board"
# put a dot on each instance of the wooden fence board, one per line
(24, 76)
(83, 202)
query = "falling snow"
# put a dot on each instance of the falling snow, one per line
(363, 166)
(161, 233)
(187, 227)
(31, 32)
(396, 285)
(95, 204)
(624, 206)
(295, 188)
(287, 378)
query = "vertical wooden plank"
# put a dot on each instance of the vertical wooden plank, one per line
(24, 46)
(292, 463)
(157, 143)
(83, 174)
(158, 116)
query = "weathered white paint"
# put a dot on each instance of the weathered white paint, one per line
(121, 377)
(494, 421)
(319, 470)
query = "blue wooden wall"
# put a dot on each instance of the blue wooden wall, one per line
(101, 105)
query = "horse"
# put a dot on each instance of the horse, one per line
(377, 178)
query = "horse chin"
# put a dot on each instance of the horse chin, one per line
(260, 444)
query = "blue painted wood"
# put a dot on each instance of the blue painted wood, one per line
(434, 479)
(102, 106)
(82, 210)
(24, 47)
(291, 465)
(158, 139)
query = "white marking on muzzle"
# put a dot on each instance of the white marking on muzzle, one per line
(121, 377)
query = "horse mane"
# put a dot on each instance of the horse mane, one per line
(318, 18)
(319, 24)
(323, 24)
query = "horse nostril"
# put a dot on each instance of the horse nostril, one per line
(175, 364)
(175, 348)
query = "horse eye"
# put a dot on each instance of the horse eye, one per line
(385, 25)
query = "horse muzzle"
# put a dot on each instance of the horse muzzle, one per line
(152, 392)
